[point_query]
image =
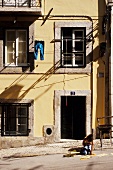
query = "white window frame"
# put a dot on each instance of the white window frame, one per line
(16, 48)
(84, 46)
(82, 52)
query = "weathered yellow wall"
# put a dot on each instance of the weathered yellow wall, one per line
(41, 91)
(72, 7)
(94, 9)
(39, 86)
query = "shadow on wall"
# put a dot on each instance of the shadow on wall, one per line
(101, 13)
(14, 90)
(45, 76)
(11, 92)
(101, 62)
(45, 91)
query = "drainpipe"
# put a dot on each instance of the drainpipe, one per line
(110, 60)
(111, 69)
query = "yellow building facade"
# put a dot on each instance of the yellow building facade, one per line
(52, 83)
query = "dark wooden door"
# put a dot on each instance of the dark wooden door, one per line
(73, 117)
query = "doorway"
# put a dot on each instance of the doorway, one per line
(73, 117)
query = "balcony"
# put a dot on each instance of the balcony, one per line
(25, 6)
(110, 2)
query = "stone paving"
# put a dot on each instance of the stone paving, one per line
(56, 148)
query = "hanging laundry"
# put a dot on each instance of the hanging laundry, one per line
(39, 45)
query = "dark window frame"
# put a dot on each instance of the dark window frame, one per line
(6, 121)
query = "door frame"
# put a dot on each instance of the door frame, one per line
(57, 118)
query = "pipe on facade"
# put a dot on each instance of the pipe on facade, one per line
(68, 16)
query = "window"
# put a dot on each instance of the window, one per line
(73, 53)
(20, 3)
(14, 119)
(73, 47)
(16, 48)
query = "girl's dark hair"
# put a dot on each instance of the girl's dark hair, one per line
(90, 137)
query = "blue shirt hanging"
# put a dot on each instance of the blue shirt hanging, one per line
(39, 45)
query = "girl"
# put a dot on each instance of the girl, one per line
(88, 145)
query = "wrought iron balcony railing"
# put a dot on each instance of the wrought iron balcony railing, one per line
(20, 3)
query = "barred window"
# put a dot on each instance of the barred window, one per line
(14, 119)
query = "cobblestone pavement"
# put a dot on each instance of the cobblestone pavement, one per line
(37, 150)
(56, 148)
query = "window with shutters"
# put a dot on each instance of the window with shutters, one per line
(16, 48)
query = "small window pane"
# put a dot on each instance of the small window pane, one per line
(10, 46)
(22, 129)
(78, 45)
(22, 120)
(67, 59)
(12, 125)
(10, 35)
(22, 111)
(67, 46)
(22, 35)
(79, 59)
(9, 2)
(79, 34)
(22, 3)
(22, 58)
(22, 46)
(11, 58)
(67, 33)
